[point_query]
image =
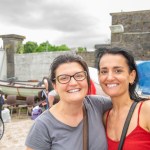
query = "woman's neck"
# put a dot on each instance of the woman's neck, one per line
(121, 102)
(70, 109)
(70, 114)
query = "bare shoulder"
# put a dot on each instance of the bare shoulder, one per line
(146, 106)
(145, 111)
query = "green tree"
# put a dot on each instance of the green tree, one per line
(82, 49)
(62, 48)
(44, 47)
(20, 49)
(30, 47)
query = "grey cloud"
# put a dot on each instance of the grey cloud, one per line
(70, 18)
(85, 39)
(35, 14)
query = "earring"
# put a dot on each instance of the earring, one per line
(132, 83)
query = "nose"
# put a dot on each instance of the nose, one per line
(72, 80)
(110, 76)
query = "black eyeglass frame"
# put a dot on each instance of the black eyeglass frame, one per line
(57, 78)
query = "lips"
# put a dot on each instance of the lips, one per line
(111, 85)
(73, 90)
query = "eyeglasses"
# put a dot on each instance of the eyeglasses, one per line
(64, 78)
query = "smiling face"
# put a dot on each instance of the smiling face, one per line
(73, 91)
(114, 75)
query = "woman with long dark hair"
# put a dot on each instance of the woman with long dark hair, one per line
(118, 78)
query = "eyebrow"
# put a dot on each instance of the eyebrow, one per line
(115, 67)
(72, 74)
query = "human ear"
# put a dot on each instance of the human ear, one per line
(132, 77)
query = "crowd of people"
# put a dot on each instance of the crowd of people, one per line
(62, 126)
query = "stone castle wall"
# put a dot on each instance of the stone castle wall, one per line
(136, 35)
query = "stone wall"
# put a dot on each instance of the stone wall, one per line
(89, 57)
(136, 35)
(35, 66)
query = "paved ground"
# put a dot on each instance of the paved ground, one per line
(15, 133)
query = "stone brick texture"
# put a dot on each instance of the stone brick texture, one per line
(136, 35)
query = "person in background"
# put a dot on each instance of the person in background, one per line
(118, 77)
(48, 84)
(1, 103)
(48, 89)
(61, 127)
(53, 98)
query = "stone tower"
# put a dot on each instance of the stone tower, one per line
(10, 45)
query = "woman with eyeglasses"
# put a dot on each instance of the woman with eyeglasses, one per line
(61, 127)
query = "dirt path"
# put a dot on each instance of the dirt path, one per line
(15, 133)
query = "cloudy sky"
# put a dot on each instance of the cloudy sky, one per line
(72, 22)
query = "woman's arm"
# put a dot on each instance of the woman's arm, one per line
(46, 84)
(144, 116)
